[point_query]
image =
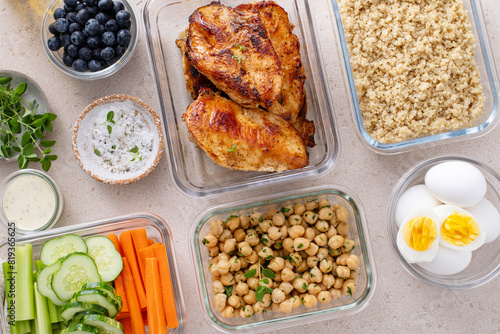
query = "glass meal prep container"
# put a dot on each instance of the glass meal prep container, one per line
(156, 228)
(193, 172)
(489, 80)
(269, 321)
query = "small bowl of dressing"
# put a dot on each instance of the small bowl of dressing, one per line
(30, 201)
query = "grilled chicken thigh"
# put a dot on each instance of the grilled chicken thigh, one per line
(240, 138)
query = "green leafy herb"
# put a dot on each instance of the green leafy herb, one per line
(304, 286)
(22, 130)
(250, 273)
(229, 290)
(229, 218)
(285, 210)
(268, 273)
(238, 58)
(349, 291)
(312, 275)
(241, 47)
(97, 152)
(300, 245)
(134, 151)
(233, 147)
(205, 241)
(261, 292)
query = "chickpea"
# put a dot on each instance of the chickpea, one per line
(339, 283)
(310, 217)
(335, 252)
(354, 273)
(244, 221)
(244, 248)
(213, 251)
(227, 279)
(275, 307)
(296, 231)
(279, 219)
(313, 289)
(287, 275)
(241, 289)
(284, 231)
(235, 264)
(300, 285)
(342, 228)
(288, 245)
(307, 277)
(270, 213)
(220, 301)
(311, 205)
(252, 237)
(239, 235)
(258, 308)
(227, 312)
(331, 231)
(246, 311)
(278, 296)
(216, 227)
(249, 298)
(287, 210)
(310, 234)
(312, 261)
(266, 253)
(299, 209)
(301, 244)
(296, 302)
(218, 287)
(343, 272)
(322, 225)
(295, 259)
(226, 234)
(214, 260)
(326, 265)
(322, 253)
(342, 259)
(233, 223)
(349, 287)
(325, 213)
(239, 276)
(266, 300)
(213, 270)
(265, 225)
(310, 301)
(234, 301)
(294, 220)
(253, 283)
(244, 263)
(255, 218)
(328, 280)
(316, 275)
(348, 246)
(302, 267)
(324, 297)
(336, 242)
(274, 233)
(342, 214)
(286, 306)
(266, 240)
(312, 250)
(210, 240)
(252, 258)
(286, 287)
(223, 267)
(336, 293)
(352, 262)
(323, 203)
(229, 245)
(277, 264)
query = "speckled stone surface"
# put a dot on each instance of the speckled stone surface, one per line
(401, 303)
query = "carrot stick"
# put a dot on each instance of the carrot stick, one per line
(156, 313)
(118, 247)
(140, 240)
(129, 252)
(123, 315)
(134, 308)
(142, 254)
(150, 242)
(166, 286)
(127, 326)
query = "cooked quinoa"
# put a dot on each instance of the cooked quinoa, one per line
(413, 65)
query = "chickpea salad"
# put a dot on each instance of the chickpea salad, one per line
(281, 259)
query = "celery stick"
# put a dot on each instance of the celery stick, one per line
(55, 325)
(39, 265)
(25, 305)
(34, 327)
(54, 312)
(42, 319)
(10, 296)
(23, 326)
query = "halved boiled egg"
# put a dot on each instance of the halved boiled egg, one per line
(448, 261)
(459, 229)
(415, 197)
(418, 236)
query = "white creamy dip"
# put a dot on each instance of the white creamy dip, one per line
(29, 202)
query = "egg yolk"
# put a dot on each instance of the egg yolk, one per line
(420, 233)
(459, 229)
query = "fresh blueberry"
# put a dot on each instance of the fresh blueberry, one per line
(79, 7)
(93, 10)
(125, 25)
(117, 6)
(96, 54)
(107, 53)
(95, 65)
(82, 16)
(71, 17)
(72, 50)
(122, 16)
(102, 17)
(68, 8)
(102, 29)
(105, 5)
(80, 65)
(67, 59)
(59, 13)
(93, 42)
(52, 29)
(108, 38)
(70, 3)
(112, 25)
(77, 38)
(61, 25)
(119, 50)
(85, 53)
(89, 2)
(74, 27)
(123, 37)
(54, 43)
(92, 27)
(66, 39)
(111, 61)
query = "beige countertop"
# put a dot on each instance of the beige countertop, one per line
(401, 303)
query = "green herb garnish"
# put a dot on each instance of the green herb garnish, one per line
(233, 147)
(97, 152)
(238, 58)
(241, 47)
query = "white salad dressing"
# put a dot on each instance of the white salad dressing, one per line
(29, 202)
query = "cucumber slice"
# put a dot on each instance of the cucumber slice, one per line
(80, 329)
(69, 310)
(108, 260)
(98, 297)
(106, 288)
(44, 280)
(105, 324)
(76, 270)
(55, 249)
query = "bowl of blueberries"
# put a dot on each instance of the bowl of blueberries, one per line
(89, 39)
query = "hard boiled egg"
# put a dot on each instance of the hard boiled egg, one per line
(417, 237)
(459, 229)
(456, 182)
(416, 197)
(489, 217)
(448, 261)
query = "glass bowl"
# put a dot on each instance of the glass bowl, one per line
(156, 228)
(271, 321)
(485, 263)
(40, 223)
(489, 80)
(192, 171)
(56, 57)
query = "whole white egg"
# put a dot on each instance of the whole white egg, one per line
(456, 182)
(416, 197)
(448, 261)
(459, 229)
(489, 217)
(417, 238)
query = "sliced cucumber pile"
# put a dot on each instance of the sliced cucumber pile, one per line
(109, 262)
(44, 280)
(55, 249)
(99, 297)
(105, 324)
(80, 329)
(69, 311)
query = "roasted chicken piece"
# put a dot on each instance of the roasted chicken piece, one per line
(240, 138)
(233, 51)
